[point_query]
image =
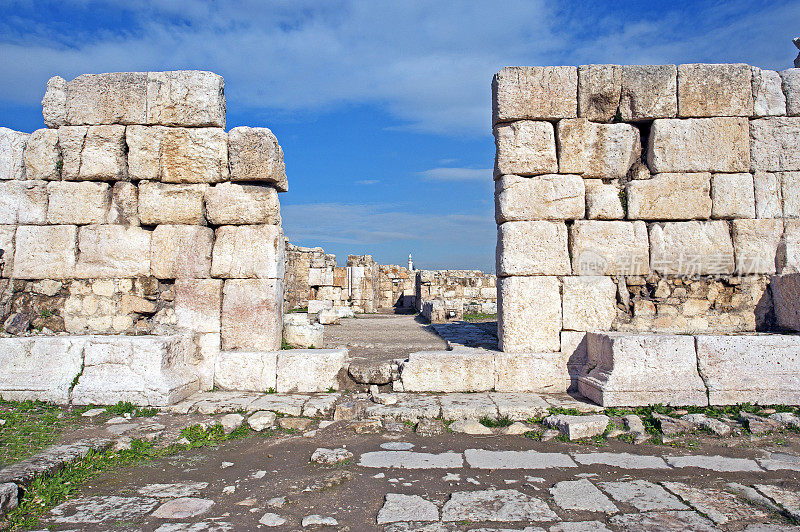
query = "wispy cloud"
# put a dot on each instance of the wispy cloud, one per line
(368, 182)
(458, 174)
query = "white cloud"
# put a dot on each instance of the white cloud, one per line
(458, 174)
(368, 182)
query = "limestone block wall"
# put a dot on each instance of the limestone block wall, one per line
(397, 287)
(136, 212)
(312, 275)
(474, 290)
(642, 198)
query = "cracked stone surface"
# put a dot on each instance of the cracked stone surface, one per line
(581, 495)
(642, 495)
(400, 507)
(663, 522)
(623, 460)
(718, 505)
(183, 507)
(485, 459)
(495, 505)
(411, 460)
(100, 509)
(788, 499)
(173, 491)
(714, 463)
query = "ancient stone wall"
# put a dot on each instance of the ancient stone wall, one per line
(473, 290)
(642, 198)
(397, 287)
(134, 212)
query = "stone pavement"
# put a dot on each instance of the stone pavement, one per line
(401, 481)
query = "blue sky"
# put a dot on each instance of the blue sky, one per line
(382, 108)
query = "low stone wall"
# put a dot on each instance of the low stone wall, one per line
(474, 290)
(397, 287)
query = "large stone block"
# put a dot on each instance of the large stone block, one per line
(733, 196)
(40, 368)
(603, 200)
(309, 370)
(181, 251)
(7, 233)
(43, 156)
(252, 314)
(177, 154)
(589, 303)
(247, 371)
(648, 92)
(789, 249)
(699, 145)
(304, 335)
(191, 98)
(255, 155)
(23, 202)
(526, 147)
(691, 248)
(198, 304)
(145, 370)
(706, 90)
(756, 245)
(111, 98)
(609, 248)
(12, 149)
(248, 251)
(599, 89)
(45, 252)
(536, 93)
(529, 314)
(670, 196)
(448, 371)
(597, 150)
(768, 97)
(773, 144)
(642, 369)
(164, 203)
(124, 204)
(768, 197)
(790, 79)
(77, 203)
(786, 300)
(790, 193)
(93, 153)
(530, 372)
(112, 252)
(54, 103)
(762, 369)
(545, 197)
(234, 204)
(208, 349)
(532, 248)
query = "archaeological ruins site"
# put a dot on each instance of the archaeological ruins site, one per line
(648, 248)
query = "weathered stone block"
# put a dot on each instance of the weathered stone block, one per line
(733, 196)
(786, 300)
(78, 203)
(529, 314)
(181, 251)
(691, 248)
(320, 276)
(190, 98)
(309, 370)
(234, 204)
(762, 369)
(545, 197)
(208, 349)
(789, 249)
(589, 303)
(768, 197)
(304, 335)
(756, 245)
(177, 154)
(536, 93)
(247, 371)
(773, 144)
(648, 92)
(530, 372)
(526, 148)
(12, 149)
(145, 370)
(790, 79)
(670, 197)
(532, 248)
(448, 371)
(255, 155)
(42, 156)
(111, 98)
(642, 369)
(248, 251)
(163, 203)
(54, 103)
(198, 304)
(597, 150)
(599, 89)
(45, 252)
(609, 248)
(699, 145)
(579, 427)
(23, 202)
(768, 97)
(252, 314)
(603, 200)
(93, 153)
(42, 368)
(706, 90)
(7, 233)
(112, 252)
(790, 193)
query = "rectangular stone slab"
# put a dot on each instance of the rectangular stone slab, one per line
(763, 369)
(40, 368)
(309, 370)
(448, 371)
(247, 371)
